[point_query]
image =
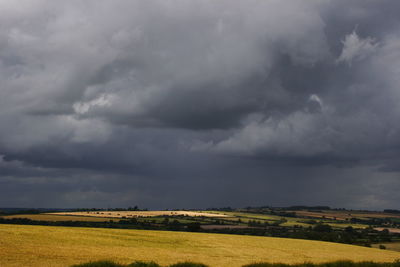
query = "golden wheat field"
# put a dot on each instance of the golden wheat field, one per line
(22, 245)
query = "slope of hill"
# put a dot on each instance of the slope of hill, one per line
(24, 245)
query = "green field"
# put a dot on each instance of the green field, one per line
(290, 221)
(24, 245)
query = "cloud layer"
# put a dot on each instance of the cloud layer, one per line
(161, 103)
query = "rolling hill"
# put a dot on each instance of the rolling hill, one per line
(24, 245)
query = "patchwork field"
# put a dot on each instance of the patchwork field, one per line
(231, 219)
(336, 219)
(133, 214)
(289, 221)
(344, 215)
(24, 245)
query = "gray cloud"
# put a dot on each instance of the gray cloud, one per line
(117, 103)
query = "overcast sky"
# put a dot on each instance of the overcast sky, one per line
(196, 104)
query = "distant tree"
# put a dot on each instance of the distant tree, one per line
(323, 228)
(193, 227)
(175, 225)
(349, 229)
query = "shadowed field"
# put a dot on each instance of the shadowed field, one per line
(24, 245)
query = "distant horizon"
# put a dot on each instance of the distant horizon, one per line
(205, 209)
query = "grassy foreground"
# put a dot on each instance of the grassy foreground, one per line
(26, 245)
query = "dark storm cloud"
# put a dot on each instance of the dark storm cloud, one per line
(116, 103)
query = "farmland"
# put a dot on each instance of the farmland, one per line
(26, 245)
(364, 228)
(288, 218)
(137, 214)
(235, 217)
(345, 215)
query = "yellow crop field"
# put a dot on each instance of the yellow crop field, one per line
(57, 218)
(25, 245)
(133, 214)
